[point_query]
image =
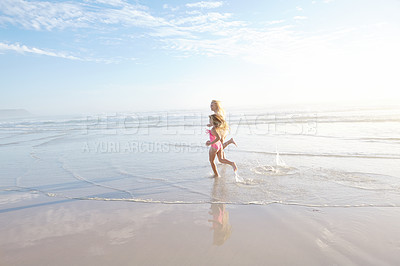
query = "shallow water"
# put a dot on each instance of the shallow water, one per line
(341, 157)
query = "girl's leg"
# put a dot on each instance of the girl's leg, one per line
(211, 155)
(222, 160)
(222, 155)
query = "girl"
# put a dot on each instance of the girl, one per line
(219, 128)
(217, 108)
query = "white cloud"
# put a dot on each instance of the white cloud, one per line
(22, 49)
(204, 4)
(322, 1)
(108, 2)
(300, 18)
(207, 33)
(298, 8)
(202, 19)
(194, 32)
(166, 6)
(307, 60)
(275, 22)
(25, 49)
(40, 15)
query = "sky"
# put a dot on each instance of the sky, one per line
(91, 56)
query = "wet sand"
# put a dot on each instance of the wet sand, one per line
(48, 231)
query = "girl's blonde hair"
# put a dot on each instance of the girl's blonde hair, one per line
(220, 110)
(220, 124)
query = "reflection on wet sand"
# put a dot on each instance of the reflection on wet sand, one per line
(220, 216)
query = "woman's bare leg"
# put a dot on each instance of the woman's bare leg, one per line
(222, 150)
(231, 141)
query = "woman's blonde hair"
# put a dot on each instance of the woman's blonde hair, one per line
(220, 110)
(220, 124)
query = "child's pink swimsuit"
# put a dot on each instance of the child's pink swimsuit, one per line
(217, 145)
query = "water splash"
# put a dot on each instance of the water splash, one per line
(238, 178)
(278, 159)
(279, 168)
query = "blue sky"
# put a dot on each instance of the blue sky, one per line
(60, 57)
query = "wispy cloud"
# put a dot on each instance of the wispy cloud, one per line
(274, 22)
(33, 50)
(204, 4)
(40, 15)
(108, 2)
(183, 33)
(22, 49)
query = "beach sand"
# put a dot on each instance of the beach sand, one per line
(48, 231)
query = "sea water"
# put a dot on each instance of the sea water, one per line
(338, 157)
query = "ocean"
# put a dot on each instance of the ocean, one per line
(318, 157)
